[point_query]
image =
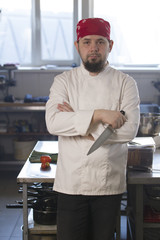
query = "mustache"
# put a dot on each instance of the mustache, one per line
(94, 54)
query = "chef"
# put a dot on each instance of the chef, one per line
(82, 103)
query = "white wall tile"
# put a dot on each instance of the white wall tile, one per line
(38, 84)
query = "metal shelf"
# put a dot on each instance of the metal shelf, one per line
(7, 161)
(21, 107)
(151, 225)
(36, 229)
(24, 134)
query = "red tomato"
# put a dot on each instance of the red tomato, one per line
(45, 165)
(45, 158)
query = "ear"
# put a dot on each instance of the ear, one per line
(111, 45)
(76, 45)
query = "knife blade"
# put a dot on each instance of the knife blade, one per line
(102, 138)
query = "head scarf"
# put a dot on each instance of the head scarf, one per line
(93, 26)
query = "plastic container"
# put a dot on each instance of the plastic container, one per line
(22, 149)
(140, 157)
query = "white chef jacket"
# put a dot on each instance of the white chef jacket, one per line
(104, 171)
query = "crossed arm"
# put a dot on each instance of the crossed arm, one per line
(114, 118)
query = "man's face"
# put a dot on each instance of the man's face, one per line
(94, 51)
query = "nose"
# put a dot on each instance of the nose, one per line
(94, 47)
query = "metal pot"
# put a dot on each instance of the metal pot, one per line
(149, 124)
(45, 210)
(45, 217)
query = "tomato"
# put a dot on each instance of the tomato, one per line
(45, 162)
(45, 158)
(45, 165)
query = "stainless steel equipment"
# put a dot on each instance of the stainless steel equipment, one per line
(149, 124)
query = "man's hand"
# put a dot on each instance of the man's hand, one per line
(65, 107)
(114, 118)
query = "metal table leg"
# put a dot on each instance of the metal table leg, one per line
(25, 213)
(139, 212)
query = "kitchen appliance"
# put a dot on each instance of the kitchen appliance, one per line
(7, 81)
(2, 82)
(140, 154)
(149, 124)
(149, 120)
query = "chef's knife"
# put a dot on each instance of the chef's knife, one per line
(102, 138)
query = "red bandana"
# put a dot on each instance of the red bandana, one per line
(93, 26)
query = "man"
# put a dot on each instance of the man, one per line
(82, 103)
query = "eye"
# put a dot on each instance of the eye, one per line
(101, 42)
(86, 42)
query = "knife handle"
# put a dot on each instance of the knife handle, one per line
(123, 112)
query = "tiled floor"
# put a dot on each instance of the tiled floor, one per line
(11, 219)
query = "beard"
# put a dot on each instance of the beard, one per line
(94, 67)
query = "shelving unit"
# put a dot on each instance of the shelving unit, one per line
(34, 115)
(136, 225)
(29, 174)
(136, 200)
(37, 229)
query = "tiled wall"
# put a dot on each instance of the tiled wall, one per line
(37, 83)
(148, 93)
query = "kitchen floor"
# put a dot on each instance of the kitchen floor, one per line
(11, 219)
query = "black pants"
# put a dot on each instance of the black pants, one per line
(82, 217)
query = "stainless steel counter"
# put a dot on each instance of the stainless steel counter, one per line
(32, 173)
(139, 179)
